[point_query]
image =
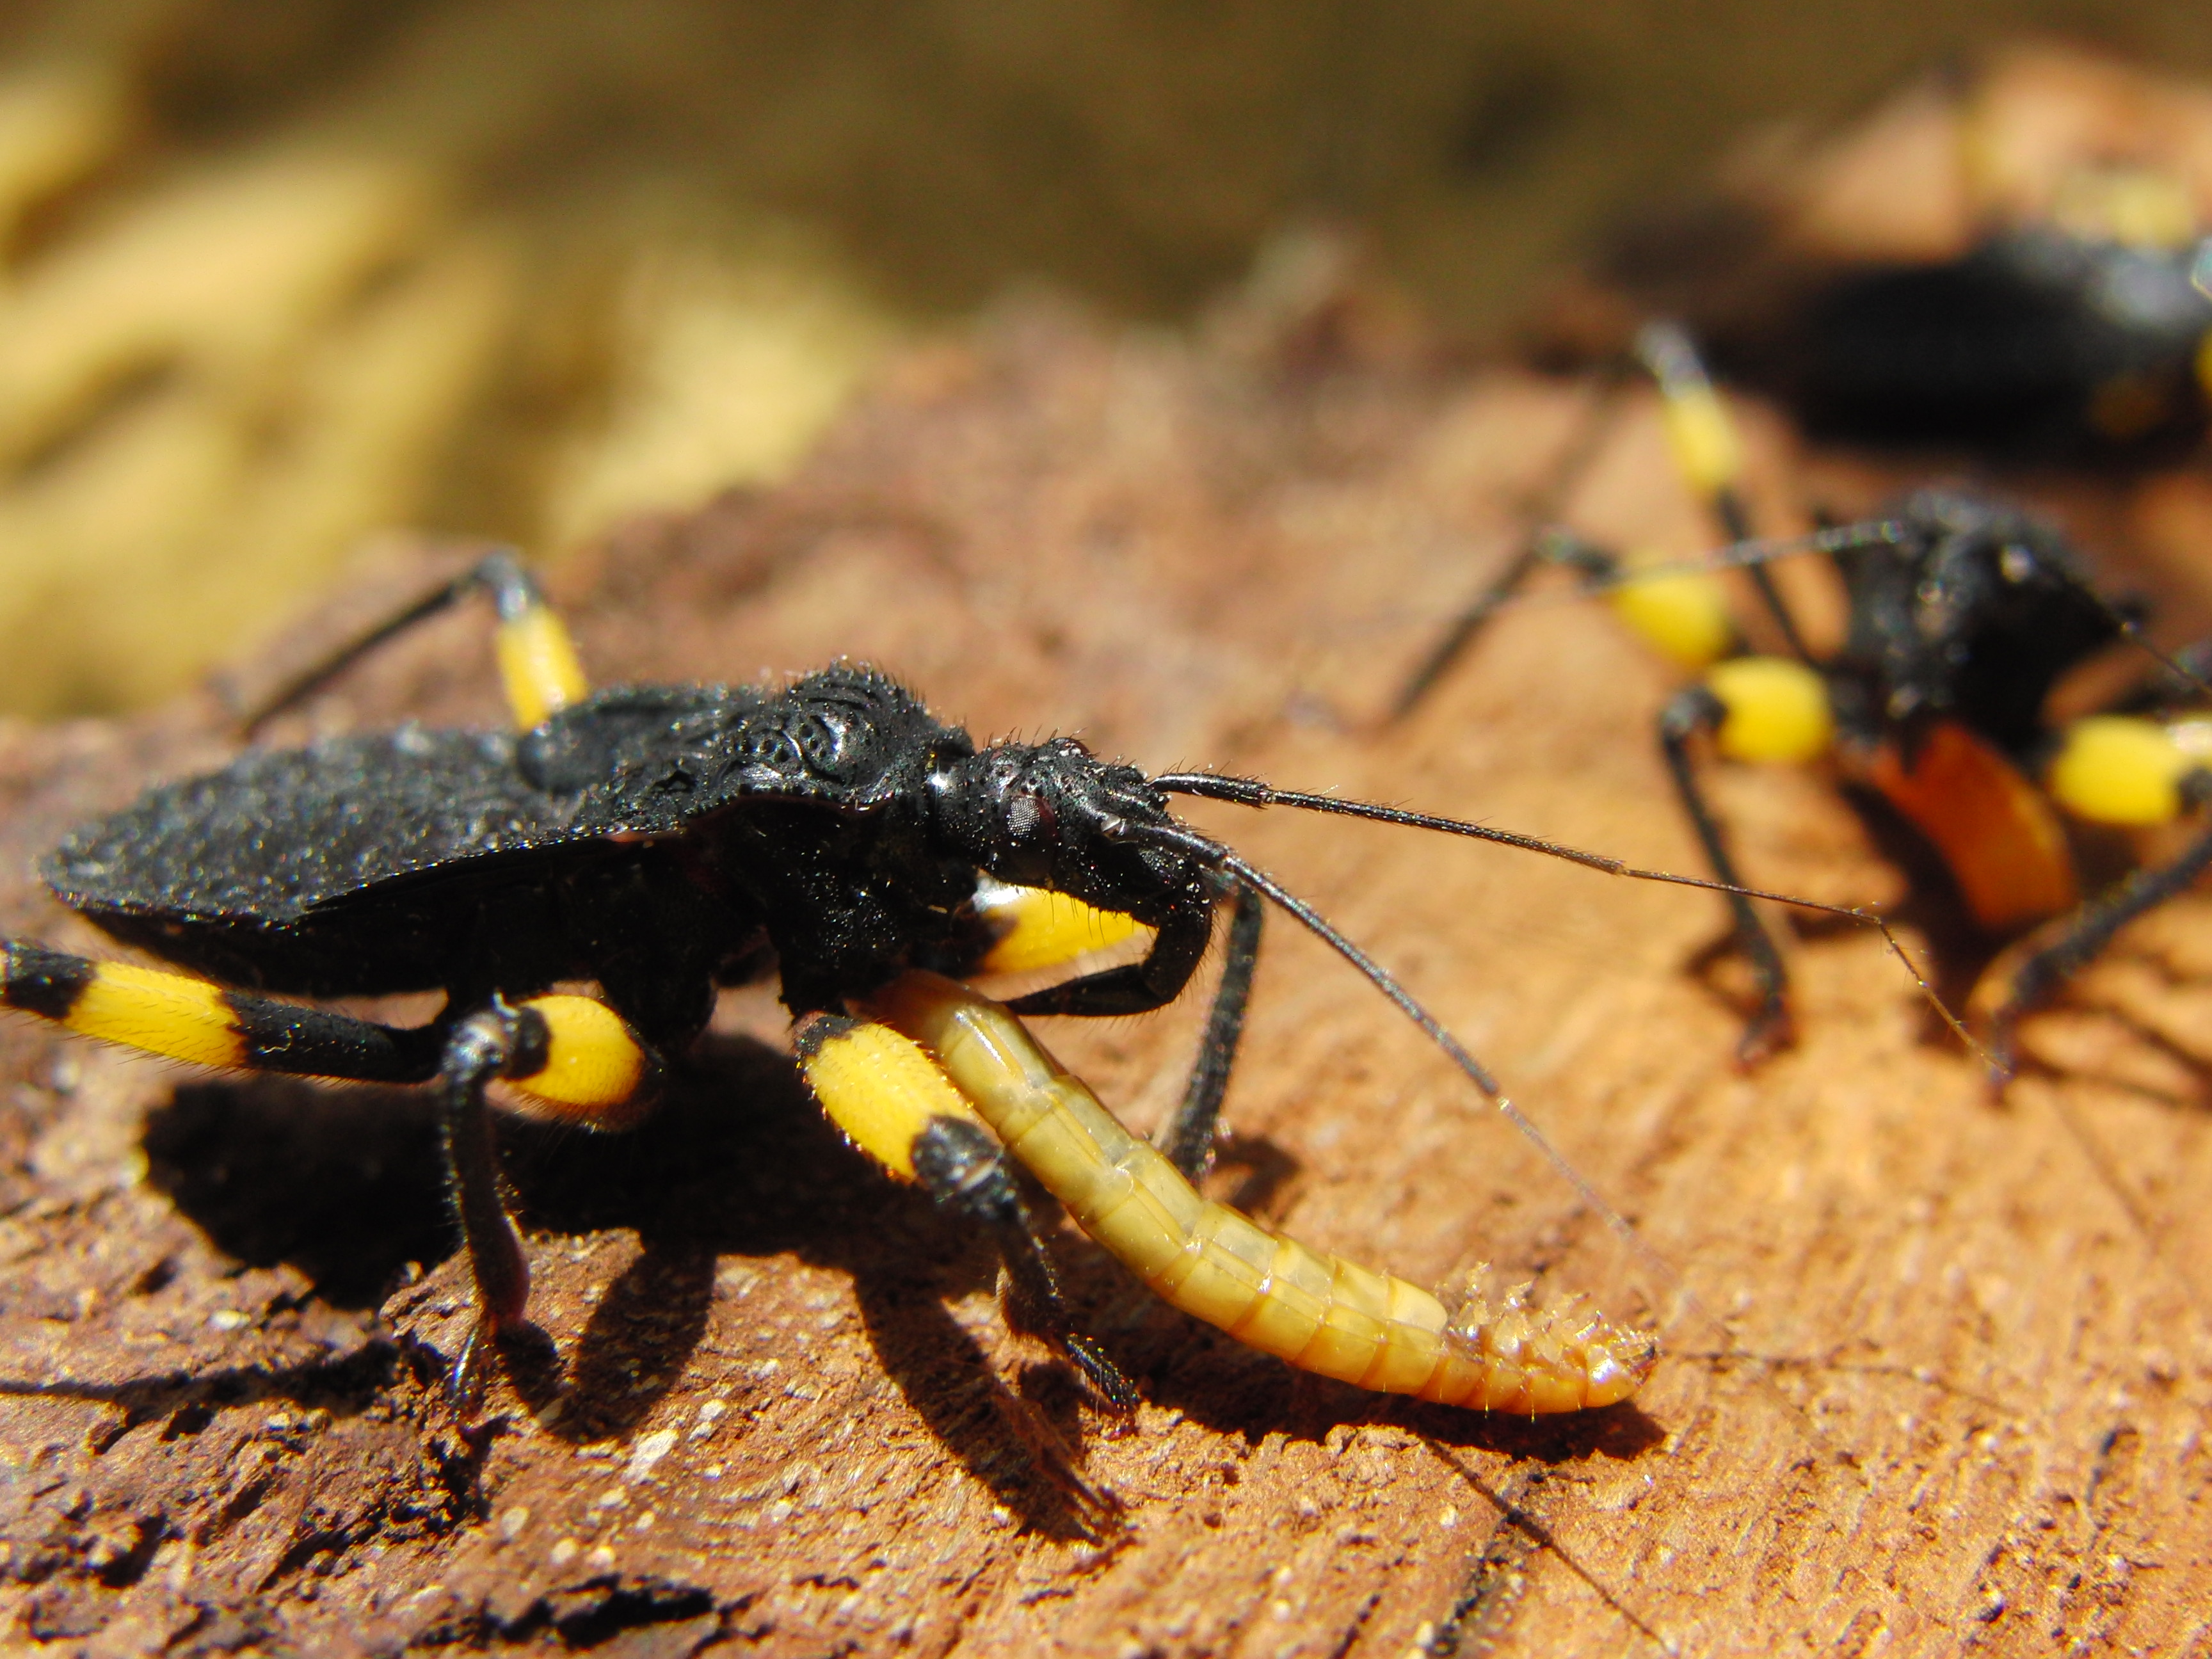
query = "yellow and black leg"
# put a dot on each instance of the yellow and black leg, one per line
(537, 661)
(1709, 454)
(1041, 929)
(570, 1058)
(1136, 988)
(180, 1018)
(1693, 710)
(567, 1057)
(894, 1103)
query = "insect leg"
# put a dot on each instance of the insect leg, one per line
(892, 1103)
(1709, 454)
(1187, 1138)
(577, 1061)
(1136, 988)
(180, 1018)
(1046, 927)
(1542, 504)
(1694, 709)
(537, 661)
(2046, 969)
(1036, 927)
(1319, 1312)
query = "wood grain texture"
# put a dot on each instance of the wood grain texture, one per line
(1953, 1402)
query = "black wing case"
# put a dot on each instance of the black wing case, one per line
(358, 866)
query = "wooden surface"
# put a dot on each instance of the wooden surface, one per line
(1953, 1400)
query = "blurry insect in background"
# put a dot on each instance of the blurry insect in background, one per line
(2075, 334)
(1964, 611)
(662, 841)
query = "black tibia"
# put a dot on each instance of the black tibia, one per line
(499, 573)
(2091, 929)
(1547, 547)
(497, 1041)
(283, 1037)
(1136, 988)
(1690, 712)
(1187, 1137)
(1464, 627)
(965, 1169)
(1735, 523)
(1542, 504)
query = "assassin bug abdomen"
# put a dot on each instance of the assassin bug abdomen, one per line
(660, 842)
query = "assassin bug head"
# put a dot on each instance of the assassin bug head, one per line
(1054, 815)
(1973, 610)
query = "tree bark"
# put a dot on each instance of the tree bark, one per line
(1935, 1364)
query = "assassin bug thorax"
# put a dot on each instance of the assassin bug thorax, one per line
(661, 841)
(1964, 612)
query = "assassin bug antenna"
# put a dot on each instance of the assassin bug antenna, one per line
(1251, 791)
(1251, 878)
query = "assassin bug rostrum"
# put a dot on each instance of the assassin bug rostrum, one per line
(661, 841)
(1964, 612)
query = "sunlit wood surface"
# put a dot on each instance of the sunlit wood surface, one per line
(1942, 1385)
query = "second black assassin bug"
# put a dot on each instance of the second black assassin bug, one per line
(1965, 611)
(2044, 339)
(662, 841)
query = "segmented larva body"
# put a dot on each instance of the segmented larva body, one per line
(1319, 1312)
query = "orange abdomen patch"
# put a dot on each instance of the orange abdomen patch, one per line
(1998, 834)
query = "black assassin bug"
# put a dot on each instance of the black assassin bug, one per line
(2080, 336)
(1965, 611)
(663, 841)
(2037, 341)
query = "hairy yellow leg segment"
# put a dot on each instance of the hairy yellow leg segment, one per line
(1776, 711)
(1319, 1312)
(878, 1087)
(2117, 768)
(584, 1064)
(1040, 928)
(537, 662)
(158, 1012)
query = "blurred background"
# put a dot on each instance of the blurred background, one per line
(282, 275)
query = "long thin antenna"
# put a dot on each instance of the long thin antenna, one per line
(1251, 791)
(1543, 547)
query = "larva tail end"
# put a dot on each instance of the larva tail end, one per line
(1565, 1357)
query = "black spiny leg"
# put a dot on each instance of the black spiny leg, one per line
(2045, 972)
(515, 596)
(1689, 712)
(1136, 988)
(1187, 1137)
(499, 1040)
(965, 1169)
